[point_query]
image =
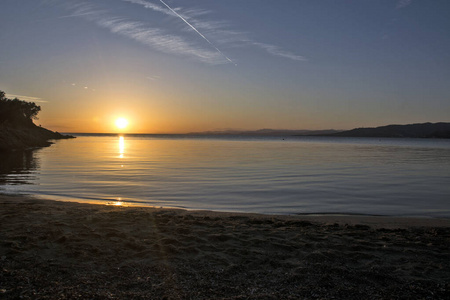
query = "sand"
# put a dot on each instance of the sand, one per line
(64, 250)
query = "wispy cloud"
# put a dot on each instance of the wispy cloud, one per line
(26, 98)
(150, 5)
(155, 38)
(195, 29)
(159, 39)
(81, 9)
(403, 3)
(168, 40)
(82, 86)
(277, 51)
(166, 9)
(77, 15)
(217, 30)
(153, 77)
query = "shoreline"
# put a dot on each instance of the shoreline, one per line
(68, 250)
(376, 221)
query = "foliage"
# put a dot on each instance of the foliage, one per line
(16, 110)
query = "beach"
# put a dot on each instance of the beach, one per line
(68, 250)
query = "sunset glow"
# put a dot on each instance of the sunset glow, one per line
(121, 123)
(209, 66)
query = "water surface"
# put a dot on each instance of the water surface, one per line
(406, 177)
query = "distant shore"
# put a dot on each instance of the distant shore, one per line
(439, 130)
(62, 250)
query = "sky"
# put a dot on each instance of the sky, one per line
(172, 66)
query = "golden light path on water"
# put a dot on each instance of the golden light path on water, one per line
(121, 147)
(119, 201)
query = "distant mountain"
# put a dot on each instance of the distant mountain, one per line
(424, 130)
(267, 132)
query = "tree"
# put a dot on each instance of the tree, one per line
(16, 110)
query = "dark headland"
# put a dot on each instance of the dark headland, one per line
(17, 130)
(423, 130)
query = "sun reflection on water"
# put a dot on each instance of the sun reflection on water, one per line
(121, 147)
(119, 202)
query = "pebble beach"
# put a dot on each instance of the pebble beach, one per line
(67, 250)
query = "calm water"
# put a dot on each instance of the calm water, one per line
(407, 177)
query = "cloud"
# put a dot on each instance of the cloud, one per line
(403, 3)
(155, 38)
(153, 77)
(217, 30)
(195, 29)
(173, 12)
(167, 40)
(277, 51)
(82, 86)
(160, 40)
(82, 9)
(152, 6)
(75, 15)
(26, 98)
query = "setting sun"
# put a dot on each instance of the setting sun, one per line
(121, 123)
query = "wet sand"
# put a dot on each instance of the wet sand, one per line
(64, 250)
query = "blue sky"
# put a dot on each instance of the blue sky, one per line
(180, 66)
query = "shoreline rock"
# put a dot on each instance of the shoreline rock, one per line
(25, 137)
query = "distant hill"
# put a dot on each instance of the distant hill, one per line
(17, 130)
(423, 130)
(267, 132)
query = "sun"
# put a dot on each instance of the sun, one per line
(121, 123)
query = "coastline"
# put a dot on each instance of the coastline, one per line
(29, 136)
(57, 250)
(374, 221)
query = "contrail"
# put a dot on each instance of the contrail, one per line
(199, 33)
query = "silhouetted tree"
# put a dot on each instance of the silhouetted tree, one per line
(16, 110)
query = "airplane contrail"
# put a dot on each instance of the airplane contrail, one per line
(199, 33)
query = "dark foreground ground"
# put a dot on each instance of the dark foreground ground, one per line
(59, 250)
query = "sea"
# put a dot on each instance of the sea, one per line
(257, 174)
